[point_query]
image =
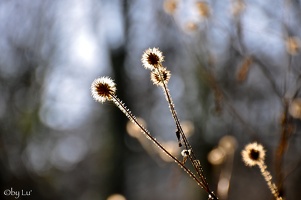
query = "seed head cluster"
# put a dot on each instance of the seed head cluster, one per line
(152, 59)
(104, 89)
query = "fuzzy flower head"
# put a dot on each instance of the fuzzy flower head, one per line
(253, 154)
(102, 89)
(160, 76)
(152, 58)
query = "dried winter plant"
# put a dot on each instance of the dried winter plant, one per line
(288, 92)
(104, 89)
(254, 154)
(152, 59)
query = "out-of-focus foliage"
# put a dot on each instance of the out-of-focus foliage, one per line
(235, 79)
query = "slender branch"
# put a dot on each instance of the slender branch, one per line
(268, 178)
(131, 117)
(195, 163)
(286, 131)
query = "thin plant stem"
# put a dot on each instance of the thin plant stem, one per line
(196, 164)
(133, 119)
(268, 178)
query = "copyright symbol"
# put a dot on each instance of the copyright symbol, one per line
(6, 192)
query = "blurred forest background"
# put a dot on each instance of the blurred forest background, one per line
(235, 79)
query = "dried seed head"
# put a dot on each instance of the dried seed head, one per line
(295, 108)
(102, 89)
(203, 9)
(253, 154)
(160, 75)
(292, 45)
(170, 6)
(152, 58)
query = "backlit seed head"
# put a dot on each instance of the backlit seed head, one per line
(292, 45)
(203, 9)
(253, 154)
(152, 58)
(170, 6)
(102, 89)
(160, 75)
(295, 108)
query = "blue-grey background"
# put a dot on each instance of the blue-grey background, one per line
(57, 142)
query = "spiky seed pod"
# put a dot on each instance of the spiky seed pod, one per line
(160, 76)
(102, 89)
(152, 58)
(253, 154)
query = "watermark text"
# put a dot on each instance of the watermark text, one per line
(17, 193)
